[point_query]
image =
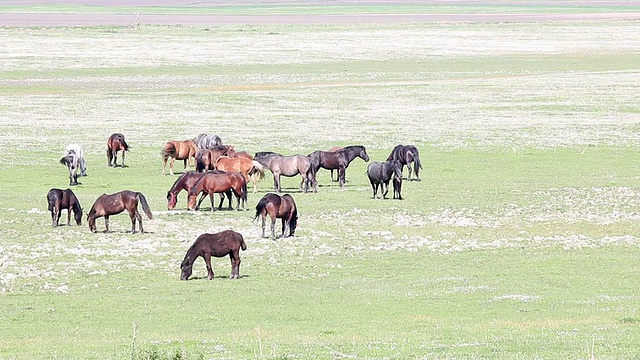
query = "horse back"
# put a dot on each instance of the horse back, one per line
(287, 206)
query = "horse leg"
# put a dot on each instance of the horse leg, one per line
(284, 226)
(55, 215)
(106, 223)
(173, 160)
(207, 261)
(409, 168)
(122, 157)
(204, 194)
(68, 216)
(185, 164)
(277, 180)
(384, 189)
(164, 166)
(341, 176)
(109, 157)
(212, 202)
(263, 215)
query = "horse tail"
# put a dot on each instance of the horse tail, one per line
(244, 190)
(243, 245)
(169, 150)
(200, 166)
(125, 146)
(294, 221)
(257, 169)
(145, 205)
(417, 165)
(262, 204)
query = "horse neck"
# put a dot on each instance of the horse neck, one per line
(177, 185)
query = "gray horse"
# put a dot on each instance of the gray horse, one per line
(72, 161)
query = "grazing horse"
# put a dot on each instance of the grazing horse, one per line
(220, 244)
(206, 158)
(339, 160)
(64, 199)
(289, 166)
(204, 141)
(107, 205)
(185, 182)
(380, 173)
(278, 207)
(81, 161)
(212, 183)
(114, 144)
(232, 153)
(72, 161)
(250, 169)
(407, 154)
(178, 150)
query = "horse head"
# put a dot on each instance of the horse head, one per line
(186, 268)
(172, 200)
(92, 222)
(363, 154)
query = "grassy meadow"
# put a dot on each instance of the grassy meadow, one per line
(520, 242)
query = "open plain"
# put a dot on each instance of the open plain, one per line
(520, 242)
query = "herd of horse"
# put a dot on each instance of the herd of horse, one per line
(220, 169)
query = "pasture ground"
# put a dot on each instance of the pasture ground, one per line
(520, 242)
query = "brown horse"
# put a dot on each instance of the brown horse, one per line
(114, 144)
(206, 158)
(212, 183)
(220, 244)
(278, 207)
(185, 182)
(339, 160)
(107, 205)
(289, 166)
(232, 153)
(251, 170)
(334, 149)
(178, 150)
(64, 199)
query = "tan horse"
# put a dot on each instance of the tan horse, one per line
(251, 170)
(178, 150)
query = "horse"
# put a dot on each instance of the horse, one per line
(232, 153)
(212, 183)
(64, 199)
(206, 158)
(81, 161)
(334, 149)
(180, 150)
(71, 160)
(289, 166)
(114, 144)
(185, 182)
(250, 169)
(220, 244)
(107, 205)
(380, 173)
(265, 153)
(281, 207)
(204, 141)
(339, 160)
(407, 154)
(397, 187)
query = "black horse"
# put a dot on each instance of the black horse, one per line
(64, 199)
(407, 154)
(339, 160)
(380, 173)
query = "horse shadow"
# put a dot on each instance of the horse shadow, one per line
(222, 277)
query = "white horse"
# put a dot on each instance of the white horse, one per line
(80, 154)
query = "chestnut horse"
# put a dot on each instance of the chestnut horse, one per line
(289, 166)
(339, 160)
(278, 207)
(212, 183)
(251, 170)
(220, 244)
(185, 182)
(114, 144)
(206, 158)
(232, 153)
(178, 150)
(107, 205)
(64, 199)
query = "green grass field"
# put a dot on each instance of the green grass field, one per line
(520, 242)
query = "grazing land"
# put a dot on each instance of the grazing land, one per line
(520, 242)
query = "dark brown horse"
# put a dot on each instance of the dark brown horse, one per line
(185, 182)
(397, 187)
(107, 205)
(407, 154)
(281, 207)
(381, 173)
(178, 150)
(206, 158)
(289, 166)
(64, 199)
(220, 244)
(334, 149)
(114, 144)
(212, 183)
(339, 160)
(251, 170)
